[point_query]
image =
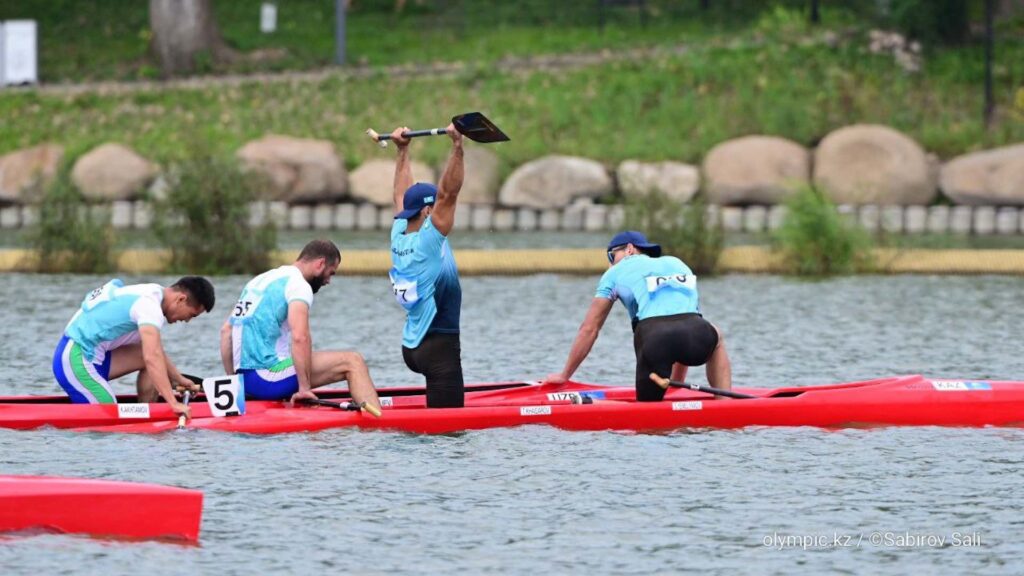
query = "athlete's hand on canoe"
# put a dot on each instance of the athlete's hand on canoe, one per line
(398, 139)
(555, 379)
(180, 408)
(303, 394)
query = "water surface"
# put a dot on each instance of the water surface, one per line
(534, 499)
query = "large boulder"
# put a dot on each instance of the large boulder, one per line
(482, 178)
(872, 164)
(755, 170)
(29, 170)
(993, 177)
(112, 172)
(675, 180)
(299, 169)
(554, 181)
(374, 180)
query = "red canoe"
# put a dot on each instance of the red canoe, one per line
(895, 401)
(99, 508)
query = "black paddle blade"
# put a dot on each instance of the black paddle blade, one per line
(478, 128)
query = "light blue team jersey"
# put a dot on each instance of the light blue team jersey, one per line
(425, 281)
(110, 317)
(650, 287)
(260, 336)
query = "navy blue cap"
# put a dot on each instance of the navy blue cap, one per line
(636, 239)
(416, 197)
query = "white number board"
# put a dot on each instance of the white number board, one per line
(225, 395)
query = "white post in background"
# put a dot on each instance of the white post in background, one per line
(18, 53)
(1, 54)
(268, 17)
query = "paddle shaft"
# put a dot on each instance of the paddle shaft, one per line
(352, 406)
(184, 400)
(415, 133)
(665, 383)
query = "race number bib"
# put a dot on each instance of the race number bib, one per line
(245, 307)
(674, 281)
(100, 295)
(404, 289)
(225, 395)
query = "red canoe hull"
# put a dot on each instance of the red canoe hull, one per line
(899, 401)
(99, 508)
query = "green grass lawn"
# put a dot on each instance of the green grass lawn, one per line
(743, 73)
(109, 39)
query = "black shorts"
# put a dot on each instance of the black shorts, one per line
(439, 358)
(662, 341)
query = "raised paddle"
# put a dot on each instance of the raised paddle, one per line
(665, 383)
(351, 406)
(472, 125)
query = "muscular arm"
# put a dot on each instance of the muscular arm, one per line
(302, 346)
(156, 362)
(448, 189)
(227, 349)
(585, 338)
(403, 168)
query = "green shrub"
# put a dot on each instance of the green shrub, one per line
(817, 241)
(683, 230)
(204, 219)
(71, 236)
(942, 21)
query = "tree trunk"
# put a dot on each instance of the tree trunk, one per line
(184, 31)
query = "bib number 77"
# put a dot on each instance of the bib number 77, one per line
(225, 395)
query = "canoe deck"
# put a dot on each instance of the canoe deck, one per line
(895, 401)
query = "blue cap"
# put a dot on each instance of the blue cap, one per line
(636, 239)
(417, 196)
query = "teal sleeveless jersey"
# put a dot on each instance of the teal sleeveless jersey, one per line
(424, 281)
(260, 335)
(650, 287)
(110, 317)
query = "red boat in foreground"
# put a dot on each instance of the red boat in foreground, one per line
(894, 401)
(99, 508)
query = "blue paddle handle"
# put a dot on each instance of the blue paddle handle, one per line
(416, 133)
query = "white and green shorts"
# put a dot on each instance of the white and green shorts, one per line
(278, 382)
(84, 381)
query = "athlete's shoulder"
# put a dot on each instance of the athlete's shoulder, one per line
(675, 263)
(151, 291)
(398, 227)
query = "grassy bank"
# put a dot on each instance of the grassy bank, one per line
(85, 40)
(667, 107)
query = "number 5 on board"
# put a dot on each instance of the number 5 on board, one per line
(225, 395)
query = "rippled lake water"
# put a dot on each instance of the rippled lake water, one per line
(538, 500)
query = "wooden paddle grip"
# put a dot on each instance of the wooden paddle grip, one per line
(663, 382)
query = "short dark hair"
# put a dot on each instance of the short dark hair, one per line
(321, 249)
(198, 289)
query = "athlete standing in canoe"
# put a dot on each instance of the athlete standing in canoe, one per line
(669, 333)
(424, 278)
(116, 331)
(266, 336)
